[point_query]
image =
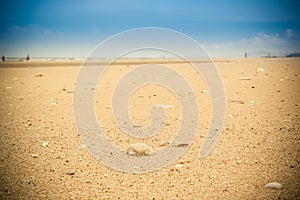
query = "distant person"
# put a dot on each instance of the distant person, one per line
(27, 58)
(3, 58)
(245, 54)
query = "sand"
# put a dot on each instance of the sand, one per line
(42, 155)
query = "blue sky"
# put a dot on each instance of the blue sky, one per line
(72, 28)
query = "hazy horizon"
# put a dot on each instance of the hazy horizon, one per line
(223, 28)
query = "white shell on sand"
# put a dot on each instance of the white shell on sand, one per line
(139, 149)
(45, 144)
(53, 102)
(163, 106)
(273, 185)
(71, 172)
(260, 70)
(245, 78)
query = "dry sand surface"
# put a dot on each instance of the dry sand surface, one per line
(42, 156)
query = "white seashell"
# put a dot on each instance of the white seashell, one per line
(169, 106)
(260, 70)
(163, 106)
(245, 78)
(139, 149)
(45, 144)
(273, 185)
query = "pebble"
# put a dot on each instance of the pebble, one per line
(70, 173)
(139, 149)
(169, 106)
(66, 91)
(45, 144)
(163, 106)
(273, 186)
(238, 101)
(34, 155)
(251, 103)
(39, 75)
(187, 180)
(179, 165)
(245, 78)
(181, 145)
(164, 144)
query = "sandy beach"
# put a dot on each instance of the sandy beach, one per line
(42, 156)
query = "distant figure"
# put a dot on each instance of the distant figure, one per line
(245, 54)
(3, 58)
(27, 58)
(269, 56)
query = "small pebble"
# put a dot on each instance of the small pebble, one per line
(179, 165)
(164, 144)
(273, 186)
(34, 155)
(245, 78)
(45, 144)
(169, 106)
(53, 104)
(238, 101)
(187, 180)
(139, 149)
(260, 70)
(181, 145)
(70, 173)
(163, 106)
